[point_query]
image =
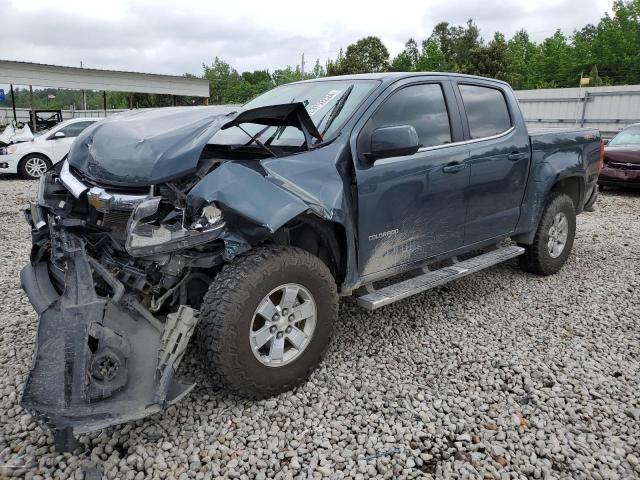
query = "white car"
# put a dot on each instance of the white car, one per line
(31, 159)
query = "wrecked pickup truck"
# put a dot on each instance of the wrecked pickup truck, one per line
(242, 230)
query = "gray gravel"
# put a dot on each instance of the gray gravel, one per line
(498, 375)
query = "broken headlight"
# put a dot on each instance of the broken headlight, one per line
(151, 231)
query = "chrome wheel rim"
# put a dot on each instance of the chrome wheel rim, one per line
(558, 234)
(35, 166)
(282, 325)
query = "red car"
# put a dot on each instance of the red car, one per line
(622, 159)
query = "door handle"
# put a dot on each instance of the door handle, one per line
(515, 156)
(454, 167)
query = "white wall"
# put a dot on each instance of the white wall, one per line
(607, 108)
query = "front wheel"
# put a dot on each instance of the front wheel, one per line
(267, 320)
(553, 239)
(33, 166)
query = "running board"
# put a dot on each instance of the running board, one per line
(401, 290)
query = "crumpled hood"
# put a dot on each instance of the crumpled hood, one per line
(146, 147)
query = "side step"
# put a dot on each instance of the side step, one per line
(412, 286)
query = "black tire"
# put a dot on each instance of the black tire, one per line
(588, 206)
(229, 307)
(29, 173)
(537, 258)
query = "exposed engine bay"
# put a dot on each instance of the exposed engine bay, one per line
(117, 276)
(128, 269)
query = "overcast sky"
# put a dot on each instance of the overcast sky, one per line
(174, 37)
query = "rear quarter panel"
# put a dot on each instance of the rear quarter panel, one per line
(558, 154)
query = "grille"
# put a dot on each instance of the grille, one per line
(116, 222)
(625, 166)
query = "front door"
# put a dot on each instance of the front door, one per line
(412, 207)
(61, 145)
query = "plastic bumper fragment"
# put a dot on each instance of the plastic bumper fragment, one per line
(98, 362)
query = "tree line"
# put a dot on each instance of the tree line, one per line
(607, 52)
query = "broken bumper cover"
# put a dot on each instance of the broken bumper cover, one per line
(98, 361)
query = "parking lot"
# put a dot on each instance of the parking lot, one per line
(498, 375)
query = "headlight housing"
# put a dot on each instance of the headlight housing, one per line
(148, 234)
(10, 150)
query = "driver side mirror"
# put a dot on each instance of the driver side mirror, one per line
(57, 135)
(605, 141)
(393, 141)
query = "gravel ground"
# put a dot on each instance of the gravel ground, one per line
(499, 375)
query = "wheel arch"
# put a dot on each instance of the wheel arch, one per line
(571, 185)
(322, 238)
(35, 153)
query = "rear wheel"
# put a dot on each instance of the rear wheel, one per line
(553, 239)
(267, 319)
(588, 206)
(33, 166)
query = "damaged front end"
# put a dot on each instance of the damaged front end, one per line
(116, 278)
(129, 233)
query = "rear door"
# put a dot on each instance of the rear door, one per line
(499, 156)
(412, 207)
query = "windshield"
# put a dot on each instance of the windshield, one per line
(628, 136)
(329, 104)
(43, 132)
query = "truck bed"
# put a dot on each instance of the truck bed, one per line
(541, 138)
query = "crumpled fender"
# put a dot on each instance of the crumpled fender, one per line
(258, 198)
(252, 204)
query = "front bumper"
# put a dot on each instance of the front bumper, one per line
(618, 176)
(9, 163)
(98, 360)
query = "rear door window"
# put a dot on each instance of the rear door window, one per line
(486, 109)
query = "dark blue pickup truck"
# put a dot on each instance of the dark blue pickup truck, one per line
(243, 229)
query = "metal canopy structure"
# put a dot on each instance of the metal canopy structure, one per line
(41, 75)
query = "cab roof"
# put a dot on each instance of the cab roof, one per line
(388, 77)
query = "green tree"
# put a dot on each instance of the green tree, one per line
(615, 46)
(431, 58)
(554, 62)
(491, 60)
(365, 56)
(407, 60)
(222, 76)
(521, 52)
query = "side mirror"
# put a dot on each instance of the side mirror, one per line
(57, 135)
(605, 141)
(393, 141)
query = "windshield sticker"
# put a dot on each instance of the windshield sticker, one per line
(322, 102)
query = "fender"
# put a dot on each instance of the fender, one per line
(258, 198)
(550, 166)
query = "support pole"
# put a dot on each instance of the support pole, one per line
(584, 108)
(174, 100)
(13, 103)
(104, 102)
(32, 113)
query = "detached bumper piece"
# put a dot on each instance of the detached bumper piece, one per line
(98, 361)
